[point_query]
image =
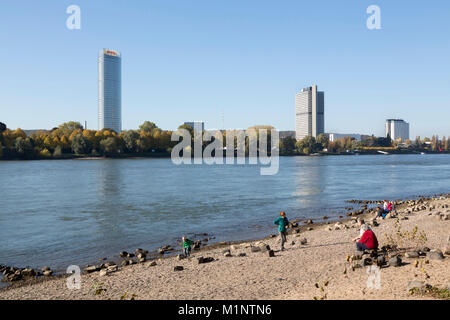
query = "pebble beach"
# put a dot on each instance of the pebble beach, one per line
(320, 262)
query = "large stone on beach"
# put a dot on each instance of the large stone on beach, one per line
(446, 250)
(412, 254)
(271, 253)
(202, 260)
(28, 272)
(303, 241)
(395, 261)
(380, 260)
(255, 249)
(90, 269)
(47, 273)
(366, 262)
(141, 255)
(141, 251)
(178, 268)
(109, 264)
(153, 264)
(435, 255)
(112, 268)
(103, 273)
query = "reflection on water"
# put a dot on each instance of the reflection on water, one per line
(309, 181)
(72, 212)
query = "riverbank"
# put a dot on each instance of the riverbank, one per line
(68, 156)
(248, 272)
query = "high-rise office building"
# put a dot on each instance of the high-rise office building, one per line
(110, 90)
(199, 124)
(397, 128)
(309, 113)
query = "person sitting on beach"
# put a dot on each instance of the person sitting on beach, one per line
(380, 213)
(283, 224)
(385, 205)
(186, 246)
(387, 210)
(362, 228)
(368, 240)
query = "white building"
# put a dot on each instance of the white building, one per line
(397, 128)
(309, 113)
(198, 124)
(110, 90)
(333, 136)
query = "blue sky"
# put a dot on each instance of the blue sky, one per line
(193, 60)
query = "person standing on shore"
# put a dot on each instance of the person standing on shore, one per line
(186, 246)
(283, 224)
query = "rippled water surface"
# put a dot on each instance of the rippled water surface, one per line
(67, 212)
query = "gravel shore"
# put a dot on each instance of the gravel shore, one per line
(291, 274)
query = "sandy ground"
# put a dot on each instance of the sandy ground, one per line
(291, 274)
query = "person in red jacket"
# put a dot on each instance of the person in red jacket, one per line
(368, 240)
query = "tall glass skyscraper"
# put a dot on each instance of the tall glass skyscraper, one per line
(110, 90)
(309, 113)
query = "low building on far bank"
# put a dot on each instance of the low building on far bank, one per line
(334, 136)
(285, 134)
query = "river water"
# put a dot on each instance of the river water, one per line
(59, 213)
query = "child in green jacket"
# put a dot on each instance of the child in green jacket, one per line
(186, 246)
(283, 224)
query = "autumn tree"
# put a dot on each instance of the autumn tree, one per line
(81, 145)
(109, 146)
(24, 147)
(287, 145)
(67, 127)
(147, 126)
(308, 145)
(130, 139)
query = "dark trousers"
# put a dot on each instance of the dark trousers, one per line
(283, 238)
(361, 246)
